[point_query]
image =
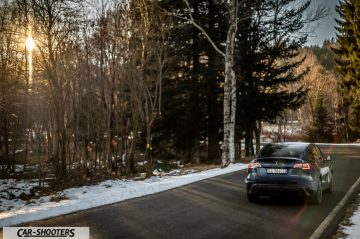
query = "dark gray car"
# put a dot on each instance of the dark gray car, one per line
(289, 169)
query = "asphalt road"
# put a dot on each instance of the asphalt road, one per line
(218, 208)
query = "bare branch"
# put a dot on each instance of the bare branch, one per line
(202, 30)
(192, 21)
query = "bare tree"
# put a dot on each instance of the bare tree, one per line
(12, 83)
(152, 28)
(55, 23)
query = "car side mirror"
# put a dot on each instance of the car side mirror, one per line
(328, 158)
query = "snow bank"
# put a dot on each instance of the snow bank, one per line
(353, 230)
(107, 192)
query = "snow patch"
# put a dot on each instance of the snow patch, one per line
(353, 230)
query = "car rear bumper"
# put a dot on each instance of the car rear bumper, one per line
(279, 189)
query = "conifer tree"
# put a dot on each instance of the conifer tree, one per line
(348, 57)
(191, 106)
(268, 50)
(348, 38)
(320, 128)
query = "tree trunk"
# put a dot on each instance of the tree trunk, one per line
(148, 150)
(240, 147)
(194, 96)
(233, 113)
(252, 143)
(6, 142)
(257, 136)
(213, 150)
(247, 143)
(228, 155)
(63, 160)
(15, 140)
(55, 147)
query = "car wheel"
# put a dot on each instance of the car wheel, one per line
(316, 198)
(329, 189)
(252, 197)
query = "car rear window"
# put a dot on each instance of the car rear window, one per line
(282, 150)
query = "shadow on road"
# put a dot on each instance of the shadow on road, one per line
(282, 201)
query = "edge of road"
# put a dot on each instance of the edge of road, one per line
(335, 216)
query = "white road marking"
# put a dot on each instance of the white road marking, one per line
(318, 232)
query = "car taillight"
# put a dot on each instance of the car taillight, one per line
(303, 166)
(254, 165)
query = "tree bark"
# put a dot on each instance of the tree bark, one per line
(228, 154)
(257, 136)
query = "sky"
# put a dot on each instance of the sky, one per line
(324, 28)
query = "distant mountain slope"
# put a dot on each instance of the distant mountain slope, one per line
(325, 55)
(321, 81)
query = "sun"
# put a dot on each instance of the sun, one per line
(30, 43)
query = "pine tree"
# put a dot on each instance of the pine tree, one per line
(191, 106)
(354, 119)
(348, 57)
(268, 49)
(320, 128)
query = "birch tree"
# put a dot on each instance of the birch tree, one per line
(229, 103)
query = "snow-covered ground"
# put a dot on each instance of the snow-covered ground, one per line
(352, 229)
(17, 211)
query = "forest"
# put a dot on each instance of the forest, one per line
(99, 89)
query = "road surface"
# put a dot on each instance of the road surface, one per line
(218, 208)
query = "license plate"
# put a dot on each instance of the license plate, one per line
(276, 171)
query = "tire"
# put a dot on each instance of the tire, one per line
(316, 198)
(329, 189)
(252, 197)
